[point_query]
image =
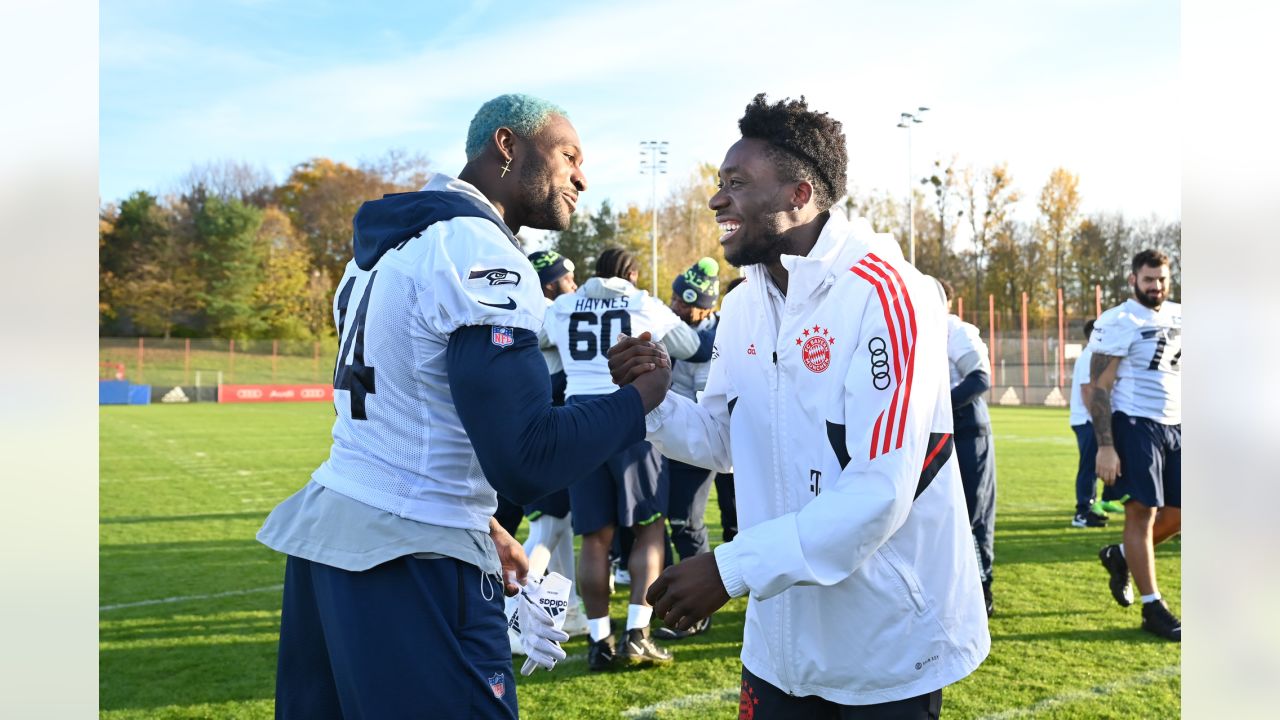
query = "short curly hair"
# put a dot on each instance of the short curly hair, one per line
(524, 114)
(806, 145)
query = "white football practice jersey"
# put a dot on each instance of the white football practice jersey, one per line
(1079, 377)
(398, 443)
(583, 326)
(1149, 381)
(966, 351)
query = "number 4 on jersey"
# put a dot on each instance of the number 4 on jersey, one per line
(356, 378)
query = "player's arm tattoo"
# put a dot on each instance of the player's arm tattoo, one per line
(1102, 376)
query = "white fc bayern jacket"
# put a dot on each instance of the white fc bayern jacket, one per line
(834, 411)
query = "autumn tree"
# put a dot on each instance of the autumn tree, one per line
(321, 197)
(687, 230)
(147, 267)
(989, 200)
(1059, 217)
(281, 298)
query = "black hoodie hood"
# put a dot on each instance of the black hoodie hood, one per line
(380, 225)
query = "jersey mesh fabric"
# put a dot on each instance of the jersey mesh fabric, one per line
(409, 455)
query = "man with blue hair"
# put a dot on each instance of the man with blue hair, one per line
(393, 587)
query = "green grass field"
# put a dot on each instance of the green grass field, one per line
(190, 602)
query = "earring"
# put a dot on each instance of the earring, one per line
(795, 209)
(506, 168)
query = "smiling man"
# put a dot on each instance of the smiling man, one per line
(829, 397)
(393, 586)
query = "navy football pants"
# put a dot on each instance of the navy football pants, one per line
(687, 507)
(977, 460)
(409, 638)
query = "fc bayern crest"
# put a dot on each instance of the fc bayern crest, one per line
(815, 348)
(503, 336)
(498, 684)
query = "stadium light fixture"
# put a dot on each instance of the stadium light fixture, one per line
(653, 161)
(908, 120)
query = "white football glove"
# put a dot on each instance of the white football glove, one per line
(539, 630)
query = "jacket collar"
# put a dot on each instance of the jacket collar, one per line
(839, 245)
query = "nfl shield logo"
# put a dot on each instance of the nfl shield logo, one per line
(498, 685)
(503, 336)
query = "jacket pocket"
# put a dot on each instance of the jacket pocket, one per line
(909, 584)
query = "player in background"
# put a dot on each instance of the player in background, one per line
(1090, 512)
(394, 581)
(853, 543)
(726, 496)
(970, 367)
(693, 297)
(550, 542)
(1136, 409)
(630, 490)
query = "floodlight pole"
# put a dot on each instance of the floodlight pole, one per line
(654, 163)
(907, 120)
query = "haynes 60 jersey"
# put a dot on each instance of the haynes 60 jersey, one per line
(585, 324)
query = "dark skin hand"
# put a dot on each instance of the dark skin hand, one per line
(692, 590)
(688, 592)
(631, 357)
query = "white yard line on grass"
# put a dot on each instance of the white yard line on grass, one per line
(1098, 691)
(688, 701)
(184, 598)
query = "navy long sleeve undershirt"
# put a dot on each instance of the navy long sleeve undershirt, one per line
(527, 448)
(970, 388)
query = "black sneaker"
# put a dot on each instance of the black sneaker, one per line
(699, 627)
(1089, 519)
(1157, 620)
(988, 599)
(601, 654)
(638, 649)
(1114, 562)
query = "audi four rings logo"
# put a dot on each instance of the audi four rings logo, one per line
(879, 363)
(249, 393)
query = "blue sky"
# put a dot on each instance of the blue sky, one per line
(1091, 85)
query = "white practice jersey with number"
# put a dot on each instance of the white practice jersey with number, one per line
(585, 324)
(1149, 343)
(398, 444)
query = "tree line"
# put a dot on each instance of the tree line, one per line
(231, 254)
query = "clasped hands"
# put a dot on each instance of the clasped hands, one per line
(691, 590)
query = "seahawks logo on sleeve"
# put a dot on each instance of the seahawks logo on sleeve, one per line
(497, 276)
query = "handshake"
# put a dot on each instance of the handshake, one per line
(642, 363)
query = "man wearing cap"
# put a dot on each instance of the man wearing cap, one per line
(693, 295)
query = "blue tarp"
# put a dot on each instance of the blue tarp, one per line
(121, 392)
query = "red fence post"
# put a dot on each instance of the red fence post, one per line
(960, 307)
(1097, 300)
(140, 353)
(1062, 337)
(1026, 378)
